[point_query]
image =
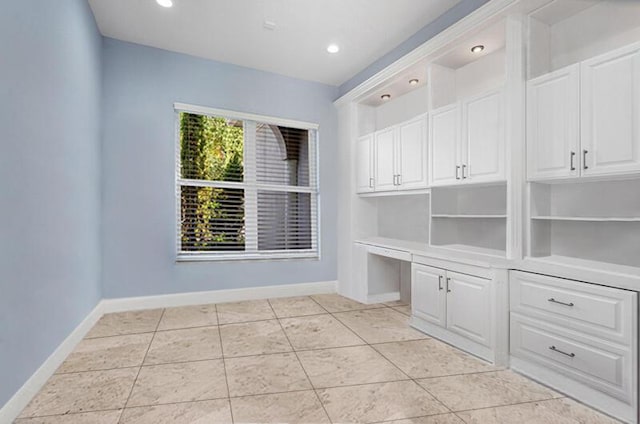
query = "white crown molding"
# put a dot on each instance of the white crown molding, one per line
(484, 13)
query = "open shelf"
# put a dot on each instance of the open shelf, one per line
(474, 249)
(585, 264)
(564, 32)
(596, 222)
(468, 216)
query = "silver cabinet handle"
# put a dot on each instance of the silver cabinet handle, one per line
(370, 182)
(584, 159)
(457, 169)
(573, 166)
(555, 349)
(463, 168)
(399, 179)
(439, 282)
(448, 281)
(552, 300)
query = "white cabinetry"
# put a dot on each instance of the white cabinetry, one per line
(393, 159)
(583, 120)
(365, 177)
(467, 141)
(458, 302)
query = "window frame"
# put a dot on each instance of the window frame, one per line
(313, 189)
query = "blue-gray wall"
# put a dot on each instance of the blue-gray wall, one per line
(49, 179)
(444, 21)
(141, 85)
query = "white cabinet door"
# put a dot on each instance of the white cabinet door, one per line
(428, 294)
(364, 164)
(384, 164)
(443, 145)
(483, 150)
(553, 125)
(412, 155)
(469, 307)
(611, 113)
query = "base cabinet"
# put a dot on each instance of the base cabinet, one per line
(457, 302)
(577, 337)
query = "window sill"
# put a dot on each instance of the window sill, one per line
(248, 257)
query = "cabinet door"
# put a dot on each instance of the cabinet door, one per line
(469, 307)
(428, 295)
(384, 168)
(443, 145)
(364, 164)
(412, 155)
(610, 120)
(483, 151)
(553, 125)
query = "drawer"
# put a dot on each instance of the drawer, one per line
(389, 253)
(603, 365)
(601, 311)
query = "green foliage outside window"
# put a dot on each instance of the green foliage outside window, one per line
(211, 149)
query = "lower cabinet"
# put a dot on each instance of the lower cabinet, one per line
(456, 302)
(579, 338)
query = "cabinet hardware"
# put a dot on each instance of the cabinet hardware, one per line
(439, 282)
(399, 179)
(463, 168)
(584, 159)
(457, 169)
(573, 166)
(394, 179)
(560, 303)
(370, 182)
(448, 281)
(555, 349)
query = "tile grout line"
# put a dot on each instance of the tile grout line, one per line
(224, 364)
(302, 366)
(135, 380)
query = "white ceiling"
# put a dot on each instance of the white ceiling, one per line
(233, 31)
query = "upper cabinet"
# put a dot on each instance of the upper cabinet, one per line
(467, 140)
(393, 159)
(584, 119)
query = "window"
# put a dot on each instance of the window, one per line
(246, 186)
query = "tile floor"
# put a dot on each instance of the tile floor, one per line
(317, 359)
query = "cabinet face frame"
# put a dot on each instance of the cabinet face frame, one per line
(560, 88)
(610, 113)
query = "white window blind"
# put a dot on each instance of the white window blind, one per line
(246, 186)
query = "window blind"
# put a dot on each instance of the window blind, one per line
(246, 188)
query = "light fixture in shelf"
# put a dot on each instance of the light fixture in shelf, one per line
(477, 49)
(165, 3)
(385, 97)
(414, 81)
(333, 48)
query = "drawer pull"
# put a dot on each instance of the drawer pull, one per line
(448, 282)
(560, 303)
(439, 282)
(555, 349)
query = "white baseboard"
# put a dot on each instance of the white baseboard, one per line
(383, 297)
(217, 296)
(21, 399)
(23, 396)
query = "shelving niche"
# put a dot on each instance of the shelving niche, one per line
(470, 218)
(588, 224)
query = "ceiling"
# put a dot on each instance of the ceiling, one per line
(234, 31)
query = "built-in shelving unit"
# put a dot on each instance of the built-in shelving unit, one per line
(597, 223)
(470, 218)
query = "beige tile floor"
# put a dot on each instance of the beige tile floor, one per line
(317, 359)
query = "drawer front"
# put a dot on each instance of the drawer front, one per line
(597, 363)
(601, 311)
(390, 253)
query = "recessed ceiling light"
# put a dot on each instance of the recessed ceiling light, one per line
(385, 96)
(333, 48)
(477, 49)
(165, 3)
(414, 81)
